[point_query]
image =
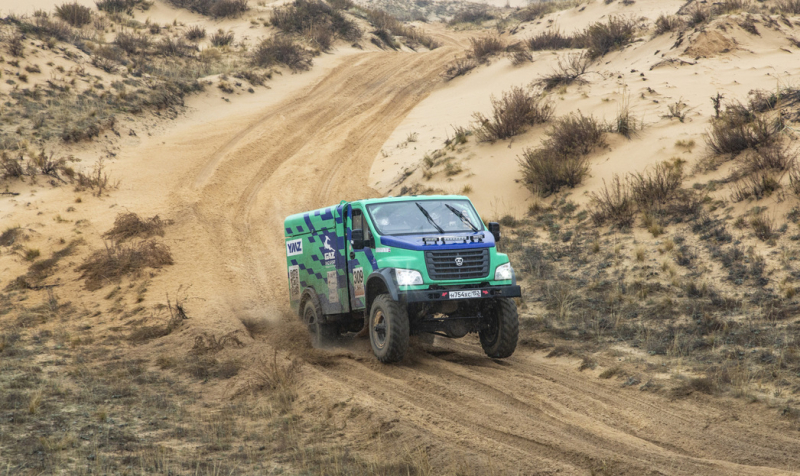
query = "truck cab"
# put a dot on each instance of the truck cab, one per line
(402, 266)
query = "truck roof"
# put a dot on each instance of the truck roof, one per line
(327, 216)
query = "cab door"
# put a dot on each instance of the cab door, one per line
(360, 263)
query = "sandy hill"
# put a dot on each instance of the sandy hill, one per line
(151, 150)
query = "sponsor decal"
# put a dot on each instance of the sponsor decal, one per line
(294, 282)
(358, 282)
(459, 261)
(333, 287)
(329, 254)
(383, 250)
(294, 247)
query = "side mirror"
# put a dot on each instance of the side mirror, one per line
(357, 238)
(494, 229)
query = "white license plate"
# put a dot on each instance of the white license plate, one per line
(465, 294)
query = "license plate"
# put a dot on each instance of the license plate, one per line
(465, 294)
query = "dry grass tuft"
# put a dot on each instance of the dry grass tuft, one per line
(316, 20)
(613, 204)
(571, 69)
(459, 67)
(549, 40)
(222, 38)
(74, 13)
(121, 259)
(602, 38)
(517, 109)
(214, 8)
(130, 225)
(561, 161)
(667, 23)
(281, 50)
(481, 48)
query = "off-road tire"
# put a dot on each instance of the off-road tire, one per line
(391, 344)
(500, 339)
(321, 332)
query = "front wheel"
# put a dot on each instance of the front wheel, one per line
(388, 329)
(499, 339)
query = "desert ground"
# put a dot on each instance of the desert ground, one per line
(649, 198)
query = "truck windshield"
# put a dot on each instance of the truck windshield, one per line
(407, 218)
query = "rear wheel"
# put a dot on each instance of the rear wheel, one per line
(321, 332)
(388, 329)
(499, 340)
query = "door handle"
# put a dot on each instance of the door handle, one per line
(352, 255)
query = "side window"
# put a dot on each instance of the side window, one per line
(360, 224)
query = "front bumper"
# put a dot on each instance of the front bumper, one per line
(433, 295)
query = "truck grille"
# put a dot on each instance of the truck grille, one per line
(443, 264)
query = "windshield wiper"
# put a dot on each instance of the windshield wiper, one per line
(428, 216)
(463, 217)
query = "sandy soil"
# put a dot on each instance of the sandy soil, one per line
(231, 182)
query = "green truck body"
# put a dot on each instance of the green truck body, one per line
(428, 258)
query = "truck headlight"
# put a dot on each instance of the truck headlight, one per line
(408, 277)
(504, 272)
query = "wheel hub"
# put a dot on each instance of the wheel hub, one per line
(379, 329)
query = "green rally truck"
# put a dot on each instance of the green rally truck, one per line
(402, 266)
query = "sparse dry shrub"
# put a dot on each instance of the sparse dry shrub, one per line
(228, 8)
(699, 14)
(195, 32)
(763, 226)
(788, 6)
(794, 181)
(214, 8)
(120, 6)
(729, 6)
(517, 109)
(315, 19)
(121, 259)
(16, 46)
(757, 185)
(625, 123)
(74, 13)
(571, 69)
(177, 314)
(222, 38)
(11, 167)
(613, 204)
(98, 180)
(278, 379)
(131, 43)
(777, 157)
(472, 14)
(459, 67)
(668, 23)
(385, 21)
(561, 161)
(481, 48)
(657, 185)
(130, 225)
(10, 236)
(733, 133)
(174, 47)
(601, 38)
(518, 54)
(281, 50)
(549, 40)
(536, 10)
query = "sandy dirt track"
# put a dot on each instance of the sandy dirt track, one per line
(524, 415)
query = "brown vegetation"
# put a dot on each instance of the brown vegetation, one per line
(281, 50)
(561, 160)
(516, 110)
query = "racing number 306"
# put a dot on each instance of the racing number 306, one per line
(358, 282)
